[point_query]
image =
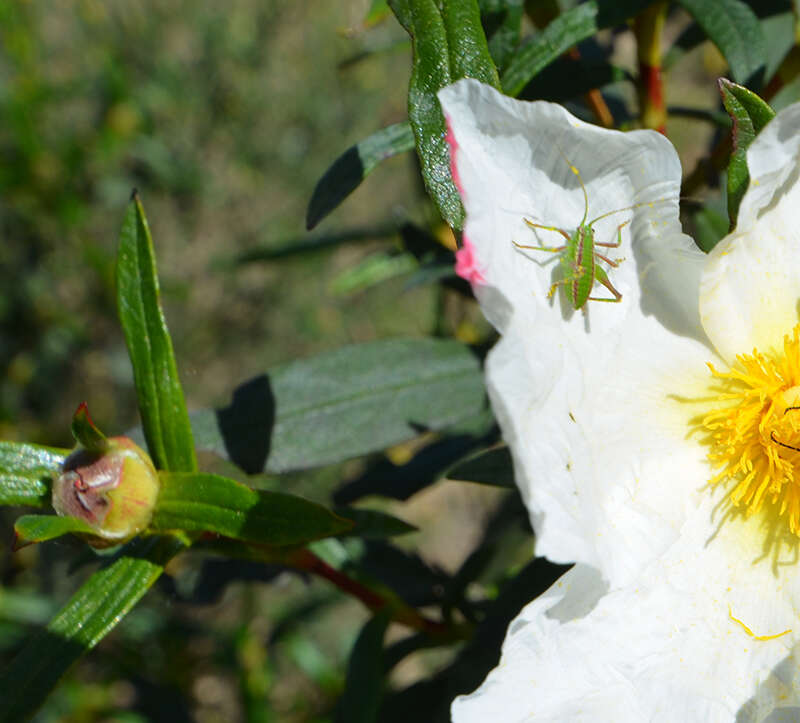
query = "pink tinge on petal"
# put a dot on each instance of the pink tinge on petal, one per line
(467, 265)
(451, 141)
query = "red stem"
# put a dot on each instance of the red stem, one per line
(401, 612)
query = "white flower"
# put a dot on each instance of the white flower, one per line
(674, 485)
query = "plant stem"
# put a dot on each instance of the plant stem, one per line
(304, 559)
(648, 27)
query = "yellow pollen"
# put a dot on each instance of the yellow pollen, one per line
(754, 434)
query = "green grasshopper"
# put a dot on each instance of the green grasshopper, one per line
(579, 256)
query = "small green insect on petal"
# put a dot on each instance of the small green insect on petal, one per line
(579, 259)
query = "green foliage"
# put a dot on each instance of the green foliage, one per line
(448, 44)
(40, 528)
(749, 115)
(86, 432)
(492, 467)
(373, 524)
(91, 613)
(161, 403)
(342, 404)
(575, 25)
(361, 699)
(733, 27)
(210, 503)
(353, 166)
(27, 471)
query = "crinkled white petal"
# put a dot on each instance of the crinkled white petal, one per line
(598, 439)
(751, 288)
(670, 647)
(603, 475)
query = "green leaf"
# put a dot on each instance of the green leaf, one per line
(561, 34)
(92, 612)
(429, 73)
(502, 22)
(343, 404)
(27, 472)
(492, 467)
(710, 228)
(372, 270)
(353, 166)
(734, 28)
(558, 37)
(363, 689)
(467, 48)
(567, 78)
(749, 114)
(39, 528)
(158, 388)
(210, 503)
(448, 44)
(85, 432)
(373, 523)
(778, 32)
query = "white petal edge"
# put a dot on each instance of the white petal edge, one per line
(751, 287)
(670, 647)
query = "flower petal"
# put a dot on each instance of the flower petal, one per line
(516, 160)
(599, 439)
(672, 646)
(751, 287)
(605, 479)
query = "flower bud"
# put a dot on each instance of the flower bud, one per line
(113, 491)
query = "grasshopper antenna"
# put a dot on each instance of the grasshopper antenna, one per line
(580, 180)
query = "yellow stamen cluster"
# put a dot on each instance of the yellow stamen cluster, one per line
(755, 432)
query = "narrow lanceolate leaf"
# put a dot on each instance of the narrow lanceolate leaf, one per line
(448, 44)
(353, 166)
(161, 403)
(734, 28)
(561, 34)
(39, 528)
(345, 403)
(373, 524)
(92, 612)
(466, 43)
(211, 503)
(363, 690)
(27, 472)
(492, 467)
(430, 72)
(558, 37)
(749, 114)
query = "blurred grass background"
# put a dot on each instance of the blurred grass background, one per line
(223, 116)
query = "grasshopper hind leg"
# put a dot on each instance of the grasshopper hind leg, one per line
(602, 277)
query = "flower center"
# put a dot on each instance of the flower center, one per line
(755, 433)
